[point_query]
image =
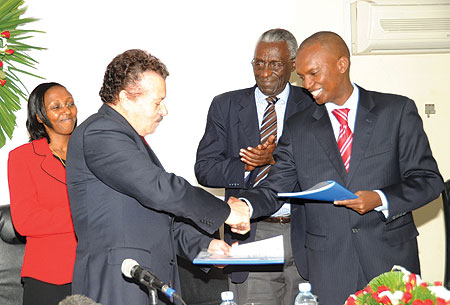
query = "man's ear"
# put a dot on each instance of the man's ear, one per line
(123, 98)
(293, 65)
(343, 64)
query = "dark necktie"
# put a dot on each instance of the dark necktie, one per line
(268, 128)
(345, 138)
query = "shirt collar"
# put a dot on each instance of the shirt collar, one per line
(351, 103)
(282, 96)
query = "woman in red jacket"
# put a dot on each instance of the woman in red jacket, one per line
(39, 202)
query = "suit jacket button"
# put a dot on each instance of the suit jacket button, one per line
(355, 230)
(172, 262)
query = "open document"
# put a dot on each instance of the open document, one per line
(324, 191)
(261, 252)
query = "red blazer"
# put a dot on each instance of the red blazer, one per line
(40, 211)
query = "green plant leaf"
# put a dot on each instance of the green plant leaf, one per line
(19, 63)
(392, 279)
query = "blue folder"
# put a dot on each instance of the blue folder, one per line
(323, 191)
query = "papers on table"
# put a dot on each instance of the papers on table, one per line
(324, 191)
(261, 252)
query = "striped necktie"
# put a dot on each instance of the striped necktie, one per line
(268, 128)
(345, 138)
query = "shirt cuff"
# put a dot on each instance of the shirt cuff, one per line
(249, 205)
(384, 207)
(246, 175)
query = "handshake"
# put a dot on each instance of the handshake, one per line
(239, 218)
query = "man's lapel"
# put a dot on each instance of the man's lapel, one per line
(151, 154)
(295, 103)
(365, 122)
(248, 117)
(323, 131)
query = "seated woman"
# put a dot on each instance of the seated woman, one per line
(39, 201)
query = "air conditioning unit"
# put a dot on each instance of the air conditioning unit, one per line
(400, 27)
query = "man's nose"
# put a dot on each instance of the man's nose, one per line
(266, 71)
(307, 83)
(163, 109)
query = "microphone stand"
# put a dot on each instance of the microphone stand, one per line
(153, 300)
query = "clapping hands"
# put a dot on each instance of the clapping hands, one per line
(260, 155)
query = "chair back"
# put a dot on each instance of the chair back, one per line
(12, 247)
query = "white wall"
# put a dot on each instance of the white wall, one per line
(207, 47)
(422, 78)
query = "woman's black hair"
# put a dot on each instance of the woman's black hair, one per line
(36, 106)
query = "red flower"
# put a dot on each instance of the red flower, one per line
(9, 51)
(351, 301)
(408, 286)
(425, 285)
(1, 63)
(428, 302)
(6, 34)
(368, 289)
(376, 297)
(359, 292)
(2, 82)
(382, 288)
(417, 302)
(440, 301)
(406, 297)
(385, 300)
(438, 283)
(412, 279)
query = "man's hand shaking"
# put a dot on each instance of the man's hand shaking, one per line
(239, 218)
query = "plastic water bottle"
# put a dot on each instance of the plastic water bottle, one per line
(305, 297)
(227, 298)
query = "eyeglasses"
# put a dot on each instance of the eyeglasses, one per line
(273, 65)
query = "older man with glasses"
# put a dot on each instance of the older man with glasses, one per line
(235, 153)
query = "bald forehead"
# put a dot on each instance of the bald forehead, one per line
(330, 42)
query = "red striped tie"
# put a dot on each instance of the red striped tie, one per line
(345, 138)
(268, 127)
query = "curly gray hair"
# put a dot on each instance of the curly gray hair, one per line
(277, 35)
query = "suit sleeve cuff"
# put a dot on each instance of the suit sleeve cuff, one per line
(384, 207)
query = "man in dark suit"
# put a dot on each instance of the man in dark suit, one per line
(391, 169)
(232, 153)
(123, 203)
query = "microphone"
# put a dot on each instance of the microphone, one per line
(132, 269)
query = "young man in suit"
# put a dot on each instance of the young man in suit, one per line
(234, 152)
(122, 200)
(386, 161)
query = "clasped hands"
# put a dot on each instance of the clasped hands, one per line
(239, 218)
(239, 222)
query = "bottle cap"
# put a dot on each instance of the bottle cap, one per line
(304, 287)
(227, 295)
